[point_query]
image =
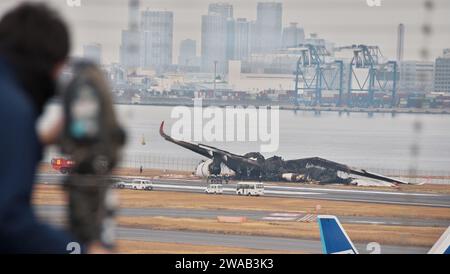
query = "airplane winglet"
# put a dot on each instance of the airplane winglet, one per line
(442, 246)
(161, 130)
(333, 237)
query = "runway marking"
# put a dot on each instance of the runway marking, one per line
(285, 214)
(367, 222)
(233, 189)
(356, 191)
(385, 202)
(292, 192)
(308, 218)
(178, 186)
(269, 218)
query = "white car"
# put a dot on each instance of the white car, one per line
(214, 189)
(137, 184)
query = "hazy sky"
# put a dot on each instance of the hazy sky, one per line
(344, 22)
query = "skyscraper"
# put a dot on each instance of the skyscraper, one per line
(156, 39)
(223, 9)
(129, 48)
(93, 52)
(267, 36)
(133, 14)
(242, 39)
(292, 36)
(188, 53)
(214, 42)
(231, 32)
(218, 34)
(442, 72)
(400, 42)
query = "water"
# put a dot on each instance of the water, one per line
(380, 141)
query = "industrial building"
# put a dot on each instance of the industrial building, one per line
(442, 73)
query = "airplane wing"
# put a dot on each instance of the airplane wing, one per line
(191, 146)
(208, 151)
(365, 173)
(320, 162)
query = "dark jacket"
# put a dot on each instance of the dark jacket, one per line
(20, 152)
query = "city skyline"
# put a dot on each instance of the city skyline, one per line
(376, 25)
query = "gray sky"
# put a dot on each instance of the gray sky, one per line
(344, 22)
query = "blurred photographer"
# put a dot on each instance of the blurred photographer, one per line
(34, 44)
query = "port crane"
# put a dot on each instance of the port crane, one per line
(317, 70)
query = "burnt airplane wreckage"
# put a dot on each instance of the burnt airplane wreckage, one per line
(255, 167)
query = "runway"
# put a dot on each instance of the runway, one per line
(55, 215)
(254, 242)
(303, 192)
(57, 212)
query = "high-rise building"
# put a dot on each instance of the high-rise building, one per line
(223, 9)
(214, 42)
(156, 39)
(315, 40)
(267, 31)
(218, 36)
(93, 52)
(241, 39)
(133, 14)
(253, 37)
(400, 42)
(416, 76)
(231, 33)
(442, 72)
(130, 48)
(188, 53)
(292, 36)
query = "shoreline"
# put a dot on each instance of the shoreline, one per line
(223, 104)
(188, 102)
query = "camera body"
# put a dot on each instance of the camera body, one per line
(93, 139)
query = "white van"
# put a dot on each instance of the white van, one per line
(250, 188)
(214, 189)
(142, 184)
(135, 184)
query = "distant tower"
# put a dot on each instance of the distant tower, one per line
(400, 42)
(268, 27)
(188, 53)
(224, 9)
(133, 14)
(292, 36)
(157, 39)
(93, 52)
(130, 44)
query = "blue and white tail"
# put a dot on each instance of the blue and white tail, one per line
(336, 241)
(442, 246)
(333, 236)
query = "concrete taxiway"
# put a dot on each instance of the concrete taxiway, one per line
(58, 212)
(55, 215)
(245, 241)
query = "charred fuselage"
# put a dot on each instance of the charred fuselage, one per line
(254, 166)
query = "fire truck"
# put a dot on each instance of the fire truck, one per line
(62, 165)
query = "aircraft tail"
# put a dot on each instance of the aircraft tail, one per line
(442, 246)
(333, 236)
